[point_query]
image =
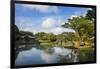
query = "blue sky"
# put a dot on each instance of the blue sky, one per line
(44, 18)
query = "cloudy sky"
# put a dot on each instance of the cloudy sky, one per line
(43, 18)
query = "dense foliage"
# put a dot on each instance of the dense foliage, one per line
(84, 28)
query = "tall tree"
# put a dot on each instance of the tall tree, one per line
(91, 14)
(83, 27)
(16, 29)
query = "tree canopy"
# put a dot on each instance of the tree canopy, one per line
(91, 14)
(84, 28)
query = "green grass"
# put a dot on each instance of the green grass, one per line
(44, 41)
(47, 44)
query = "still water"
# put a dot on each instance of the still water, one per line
(31, 55)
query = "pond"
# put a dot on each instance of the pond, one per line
(34, 55)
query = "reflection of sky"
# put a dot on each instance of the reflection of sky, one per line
(29, 57)
(39, 18)
(49, 58)
(62, 51)
(37, 56)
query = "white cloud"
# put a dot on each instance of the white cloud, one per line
(40, 8)
(47, 57)
(89, 8)
(48, 23)
(73, 16)
(23, 22)
(59, 30)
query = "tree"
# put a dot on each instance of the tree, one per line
(23, 33)
(40, 36)
(51, 37)
(91, 14)
(16, 30)
(17, 36)
(82, 26)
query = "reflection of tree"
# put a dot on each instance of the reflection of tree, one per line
(86, 55)
(71, 57)
(20, 48)
(64, 59)
(24, 40)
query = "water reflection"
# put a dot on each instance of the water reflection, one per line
(30, 54)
